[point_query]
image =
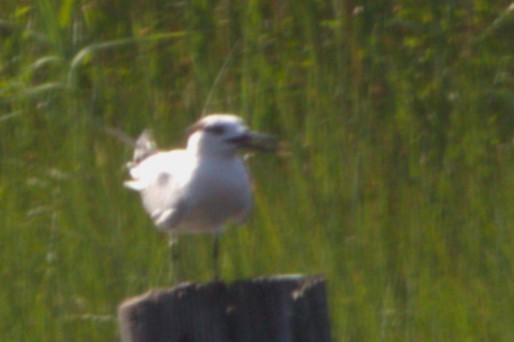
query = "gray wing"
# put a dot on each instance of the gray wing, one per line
(164, 201)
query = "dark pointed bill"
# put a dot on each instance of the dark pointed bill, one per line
(255, 140)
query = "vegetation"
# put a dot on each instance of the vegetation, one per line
(395, 182)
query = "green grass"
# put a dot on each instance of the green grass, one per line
(397, 184)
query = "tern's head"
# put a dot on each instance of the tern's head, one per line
(224, 134)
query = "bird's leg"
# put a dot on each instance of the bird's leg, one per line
(174, 259)
(216, 256)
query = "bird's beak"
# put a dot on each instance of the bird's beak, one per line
(255, 140)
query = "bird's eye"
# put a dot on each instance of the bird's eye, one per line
(216, 129)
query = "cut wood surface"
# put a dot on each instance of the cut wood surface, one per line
(280, 308)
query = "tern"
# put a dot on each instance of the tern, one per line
(202, 188)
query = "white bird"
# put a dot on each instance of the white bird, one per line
(202, 187)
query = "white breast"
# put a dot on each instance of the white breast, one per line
(219, 191)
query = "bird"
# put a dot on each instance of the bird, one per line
(203, 187)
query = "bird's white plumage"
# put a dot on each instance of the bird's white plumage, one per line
(200, 188)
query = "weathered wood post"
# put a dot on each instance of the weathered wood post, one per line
(282, 308)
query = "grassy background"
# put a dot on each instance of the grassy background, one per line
(398, 186)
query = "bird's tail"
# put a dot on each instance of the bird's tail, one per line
(145, 147)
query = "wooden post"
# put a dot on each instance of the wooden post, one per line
(282, 308)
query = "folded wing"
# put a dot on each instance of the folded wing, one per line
(156, 176)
